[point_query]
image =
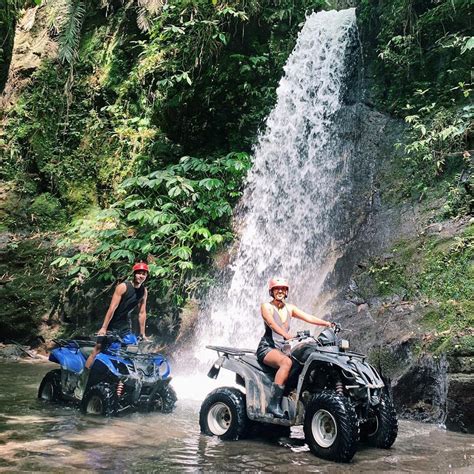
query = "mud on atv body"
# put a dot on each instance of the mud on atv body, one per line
(120, 379)
(334, 393)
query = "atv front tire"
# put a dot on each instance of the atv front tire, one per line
(100, 400)
(330, 427)
(162, 398)
(50, 387)
(382, 427)
(223, 413)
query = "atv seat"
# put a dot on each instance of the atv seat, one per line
(252, 360)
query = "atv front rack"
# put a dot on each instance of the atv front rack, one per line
(231, 350)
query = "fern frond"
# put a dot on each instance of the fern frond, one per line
(143, 20)
(147, 9)
(70, 31)
(151, 6)
(57, 11)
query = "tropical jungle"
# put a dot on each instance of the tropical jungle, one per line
(130, 132)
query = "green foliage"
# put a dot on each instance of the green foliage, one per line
(46, 212)
(173, 218)
(422, 61)
(153, 82)
(69, 28)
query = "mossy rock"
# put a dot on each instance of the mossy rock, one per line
(29, 292)
(388, 360)
(463, 346)
(47, 212)
(80, 196)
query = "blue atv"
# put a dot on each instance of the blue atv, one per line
(121, 378)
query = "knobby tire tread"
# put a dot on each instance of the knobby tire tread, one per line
(168, 397)
(388, 425)
(53, 377)
(235, 400)
(109, 399)
(345, 445)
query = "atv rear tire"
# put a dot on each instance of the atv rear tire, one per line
(100, 400)
(330, 427)
(163, 399)
(223, 413)
(50, 387)
(382, 427)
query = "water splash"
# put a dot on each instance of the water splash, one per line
(295, 208)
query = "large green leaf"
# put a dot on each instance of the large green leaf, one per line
(184, 253)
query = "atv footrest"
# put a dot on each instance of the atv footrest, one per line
(273, 420)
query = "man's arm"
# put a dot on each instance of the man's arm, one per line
(116, 298)
(142, 313)
(299, 314)
(267, 315)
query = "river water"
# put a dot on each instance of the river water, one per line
(40, 437)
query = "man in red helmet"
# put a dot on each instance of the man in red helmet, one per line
(127, 296)
(277, 315)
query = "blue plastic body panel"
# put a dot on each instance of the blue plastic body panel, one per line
(130, 339)
(106, 359)
(68, 358)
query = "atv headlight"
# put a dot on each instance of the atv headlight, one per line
(164, 369)
(344, 344)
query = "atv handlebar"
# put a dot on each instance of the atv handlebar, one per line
(336, 327)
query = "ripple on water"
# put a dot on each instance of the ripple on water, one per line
(58, 438)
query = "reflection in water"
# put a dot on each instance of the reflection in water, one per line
(41, 437)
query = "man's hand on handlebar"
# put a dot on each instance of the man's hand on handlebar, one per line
(102, 332)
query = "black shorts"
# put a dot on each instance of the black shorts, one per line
(266, 345)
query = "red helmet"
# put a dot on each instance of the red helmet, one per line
(277, 282)
(140, 266)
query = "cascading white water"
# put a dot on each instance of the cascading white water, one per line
(295, 202)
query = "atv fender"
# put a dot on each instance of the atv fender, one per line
(105, 359)
(70, 360)
(257, 385)
(363, 372)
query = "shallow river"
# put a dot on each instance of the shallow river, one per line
(38, 437)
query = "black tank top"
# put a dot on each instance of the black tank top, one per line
(129, 301)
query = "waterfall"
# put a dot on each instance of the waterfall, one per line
(296, 205)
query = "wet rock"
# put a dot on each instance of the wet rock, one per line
(11, 351)
(460, 403)
(462, 364)
(421, 392)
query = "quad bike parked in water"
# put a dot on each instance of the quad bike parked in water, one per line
(121, 378)
(334, 393)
